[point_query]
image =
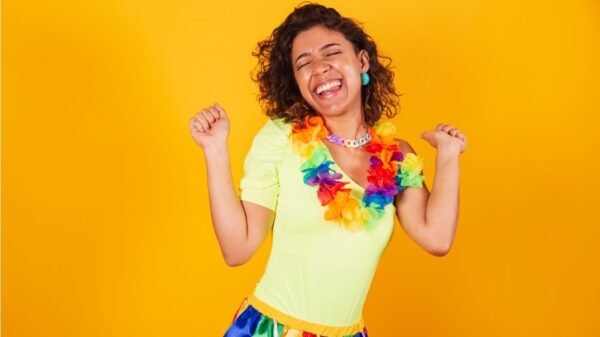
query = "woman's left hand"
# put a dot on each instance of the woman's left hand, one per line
(446, 137)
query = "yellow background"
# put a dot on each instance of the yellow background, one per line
(106, 228)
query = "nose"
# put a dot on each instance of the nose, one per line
(321, 67)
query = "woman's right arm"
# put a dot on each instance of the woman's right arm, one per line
(240, 226)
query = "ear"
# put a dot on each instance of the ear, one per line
(363, 57)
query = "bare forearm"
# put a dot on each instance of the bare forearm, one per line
(443, 204)
(228, 217)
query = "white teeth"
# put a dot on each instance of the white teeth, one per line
(328, 85)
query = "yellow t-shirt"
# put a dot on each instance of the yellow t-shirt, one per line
(317, 271)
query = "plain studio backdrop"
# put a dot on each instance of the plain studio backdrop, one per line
(106, 228)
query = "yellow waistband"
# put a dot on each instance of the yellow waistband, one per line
(292, 322)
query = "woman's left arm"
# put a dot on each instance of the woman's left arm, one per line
(430, 219)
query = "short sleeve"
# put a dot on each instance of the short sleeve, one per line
(260, 182)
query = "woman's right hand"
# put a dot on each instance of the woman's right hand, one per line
(210, 126)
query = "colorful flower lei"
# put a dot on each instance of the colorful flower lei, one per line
(390, 172)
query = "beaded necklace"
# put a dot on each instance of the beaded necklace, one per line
(350, 142)
(390, 172)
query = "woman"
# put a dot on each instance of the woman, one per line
(328, 175)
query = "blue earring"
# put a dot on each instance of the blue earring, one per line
(364, 77)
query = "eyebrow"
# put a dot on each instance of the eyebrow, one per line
(308, 53)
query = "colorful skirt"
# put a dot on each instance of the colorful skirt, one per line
(255, 318)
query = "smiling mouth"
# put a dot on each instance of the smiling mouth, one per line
(328, 90)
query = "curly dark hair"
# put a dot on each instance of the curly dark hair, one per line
(279, 94)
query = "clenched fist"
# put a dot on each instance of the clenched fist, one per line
(446, 137)
(210, 126)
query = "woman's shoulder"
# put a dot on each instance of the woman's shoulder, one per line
(411, 162)
(387, 128)
(275, 129)
(404, 145)
(273, 135)
(279, 125)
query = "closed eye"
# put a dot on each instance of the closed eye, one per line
(334, 53)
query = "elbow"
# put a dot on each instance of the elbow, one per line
(441, 249)
(439, 253)
(440, 244)
(234, 261)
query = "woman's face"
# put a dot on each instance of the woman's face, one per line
(327, 70)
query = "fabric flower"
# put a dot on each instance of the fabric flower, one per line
(381, 177)
(379, 143)
(356, 222)
(385, 129)
(375, 215)
(325, 178)
(389, 172)
(410, 172)
(315, 166)
(336, 206)
(306, 139)
(398, 156)
(326, 193)
(412, 162)
(410, 178)
(379, 196)
(305, 150)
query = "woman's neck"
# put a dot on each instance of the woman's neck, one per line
(349, 126)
